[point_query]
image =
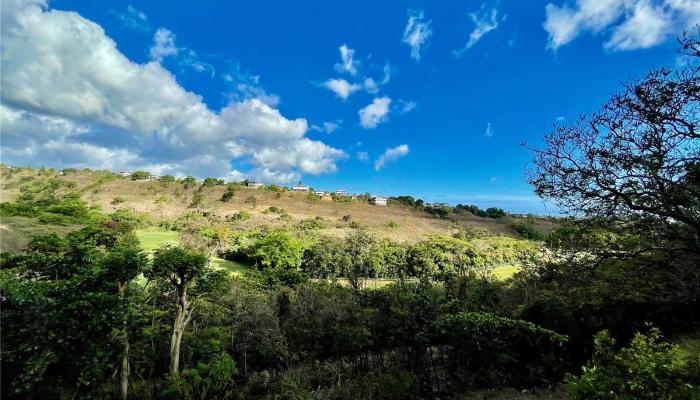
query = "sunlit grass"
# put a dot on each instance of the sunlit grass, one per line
(152, 239)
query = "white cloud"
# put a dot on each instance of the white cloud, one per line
(243, 86)
(632, 24)
(133, 19)
(347, 64)
(489, 130)
(375, 113)
(362, 155)
(327, 127)
(163, 45)
(370, 86)
(342, 88)
(417, 33)
(391, 154)
(407, 106)
(70, 98)
(485, 20)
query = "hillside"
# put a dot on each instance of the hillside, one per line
(164, 202)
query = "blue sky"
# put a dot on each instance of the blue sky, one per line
(439, 95)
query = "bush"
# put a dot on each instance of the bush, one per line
(486, 349)
(648, 368)
(117, 200)
(228, 194)
(242, 215)
(196, 200)
(252, 200)
(139, 175)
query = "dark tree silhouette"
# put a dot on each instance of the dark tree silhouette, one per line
(634, 164)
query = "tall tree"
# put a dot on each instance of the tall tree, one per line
(122, 264)
(180, 267)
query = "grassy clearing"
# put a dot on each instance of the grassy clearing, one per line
(16, 232)
(504, 272)
(151, 239)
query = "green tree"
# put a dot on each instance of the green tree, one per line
(122, 264)
(180, 267)
(139, 175)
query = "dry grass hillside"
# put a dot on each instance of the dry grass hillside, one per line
(169, 201)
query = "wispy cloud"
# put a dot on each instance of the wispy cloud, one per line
(391, 154)
(631, 24)
(327, 127)
(348, 63)
(407, 106)
(489, 130)
(133, 19)
(362, 155)
(164, 46)
(375, 113)
(417, 33)
(485, 20)
(243, 86)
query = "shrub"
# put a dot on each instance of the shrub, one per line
(252, 200)
(196, 200)
(228, 194)
(117, 200)
(392, 224)
(167, 179)
(242, 215)
(138, 175)
(210, 182)
(486, 349)
(647, 369)
(311, 224)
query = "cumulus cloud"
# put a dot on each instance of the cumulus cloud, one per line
(485, 20)
(630, 24)
(70, 98)
(417, 33)
(163, 45)
(347, 62)
(391, 154)
(342, 88)
(375, 113)
(362, 155)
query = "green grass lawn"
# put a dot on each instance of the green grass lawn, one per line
(151, 239)
(504, 272)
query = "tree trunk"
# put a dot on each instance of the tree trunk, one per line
(124, 370)
(181, 319)
(124, 367)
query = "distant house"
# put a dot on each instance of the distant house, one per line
(342, 193)
(299, 187)
(255, 185)
(124, 174)
(153, 177)
(321, 194)
(378, 200)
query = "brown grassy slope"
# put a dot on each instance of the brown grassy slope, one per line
(167, 202)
